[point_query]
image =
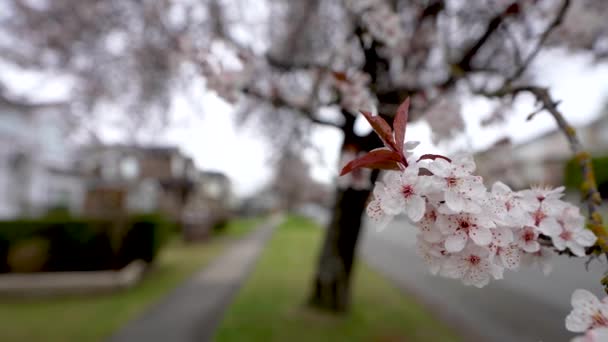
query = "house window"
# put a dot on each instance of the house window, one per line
(177, 166)
(129, 168)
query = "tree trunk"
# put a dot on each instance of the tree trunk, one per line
(331, 288)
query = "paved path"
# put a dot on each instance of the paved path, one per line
(525, 306)
(193, 311)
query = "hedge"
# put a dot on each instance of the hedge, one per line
(573, 177)
(57, 243)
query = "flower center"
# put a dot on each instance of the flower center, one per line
(407, 191)
(538, 215)
(452, 181)
(464, 224)
(474, 259)
(566, 235)
(528, 236)
(598, 320)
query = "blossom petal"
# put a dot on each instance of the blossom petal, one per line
(415, 208)
(549, 226)
(481, 236)
(585, 301)
(531, 247)
(477, 277)
(379, 218)
(511, 257)
(392, 203)
(502, 236)
(585, 238)
(456, 242)
(576, 249)
(454, 267)
(454, 200)
(577, 322)
(440, 167)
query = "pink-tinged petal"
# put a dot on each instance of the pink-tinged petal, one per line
(585, 238)
(378, 217)
(559, 243)
(415, 208)
(477, 276)
(576, 249)
(502, 236)
(392, 178)
(454, 200)
(501, 189)
(470, 206)
(431, 235)
(456, 242)
(531, 246)
(549, 226)
(585, 301)
(577, 322)
(455, 267)
(440, 167)
(481, 236)
(497, 271)
(446, 224)
(598, 334)
(465, 165)
(511, 257)
(392, 203)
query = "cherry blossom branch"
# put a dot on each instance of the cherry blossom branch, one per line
(589, 186)
(277, 101)
(541, 41)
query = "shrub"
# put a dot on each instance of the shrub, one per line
(28, 255)
(84, 244)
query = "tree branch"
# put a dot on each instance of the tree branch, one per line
(556, 21)
(277, 101)
(589, 187)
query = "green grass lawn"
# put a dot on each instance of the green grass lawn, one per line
(270, 307)
(84, 319)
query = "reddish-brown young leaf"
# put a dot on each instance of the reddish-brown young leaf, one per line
(400, 124)
(381, 158)
(340, 76)
(433, 157)
(382, 128)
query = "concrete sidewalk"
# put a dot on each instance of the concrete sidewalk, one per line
(193, 311)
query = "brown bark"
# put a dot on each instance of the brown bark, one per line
(331, 288)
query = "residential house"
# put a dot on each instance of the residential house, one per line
(36, 161)
(541, 160)
(130, 178)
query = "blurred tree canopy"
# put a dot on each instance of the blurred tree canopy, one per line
(295, 64)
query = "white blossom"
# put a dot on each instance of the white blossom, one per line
(527, 239)
(462, 190)
(574, 235)
(588, 312)
(405, 191)
(472, 265)
(593, 335)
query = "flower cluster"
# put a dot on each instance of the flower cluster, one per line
(354, 91)
(589, 316)
(471, 233)
(379, 19)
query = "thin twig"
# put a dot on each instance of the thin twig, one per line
(556, 21)
(589, 187)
